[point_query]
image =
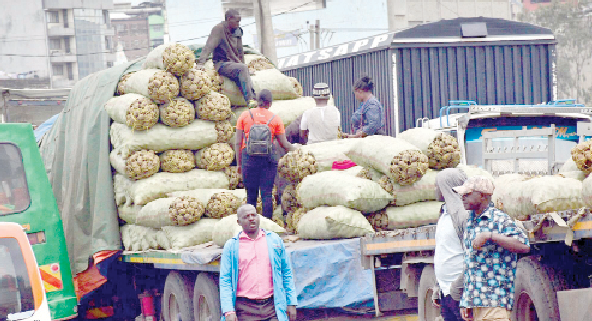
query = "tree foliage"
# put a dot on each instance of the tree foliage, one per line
(572, 27)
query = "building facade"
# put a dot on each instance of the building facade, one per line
(61, 40)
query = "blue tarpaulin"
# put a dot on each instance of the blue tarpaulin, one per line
(43, 128)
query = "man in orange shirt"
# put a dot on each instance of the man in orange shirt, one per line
(259, 171)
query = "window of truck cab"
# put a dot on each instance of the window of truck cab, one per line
(14, 192)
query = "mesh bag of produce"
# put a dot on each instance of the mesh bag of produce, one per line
(175, 58)
(222, 204)
(420, 191)
(196, 233)
(582, 155)
(228, 227)
(140, 238)
(293, 218)
(505, 184)
(280, 85)
(297, 86)
(236, 180)
(335, 188)
(296, 165)
(217, 80)
(159, 85)
(290, 198)
(177, 161)
(169, 211)
(259, 206)
(185, 210)
(216, 157)
(369, 173)
(195, 84)
(570, 170)
(326, 223)
(587, 191)
(399, 160)
(142, 164)
(379, 221)
(197, 135)
(213, 106)
(442, 149)
(412, 215)
(178, 112)
(259, 63)
(204, 195)
(143, 191)
(278, 217)
(325, 153)
(225, 131)
(121, 83)
(136, 111)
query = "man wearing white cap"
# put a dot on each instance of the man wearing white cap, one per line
(491, 241)
(321, 123)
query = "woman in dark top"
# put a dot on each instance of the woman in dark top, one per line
(369, 117)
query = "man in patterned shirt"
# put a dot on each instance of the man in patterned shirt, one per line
(491, 241)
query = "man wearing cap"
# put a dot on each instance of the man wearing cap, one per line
(321, 123)
(491, 241)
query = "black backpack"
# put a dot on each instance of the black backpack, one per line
(259, 142)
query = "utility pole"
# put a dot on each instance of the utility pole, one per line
(396, 11)
(262, 12)
(311, 33)
(318, 34)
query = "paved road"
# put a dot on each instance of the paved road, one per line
(340, 315)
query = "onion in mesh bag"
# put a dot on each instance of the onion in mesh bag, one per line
(216, 157)
(236, 180)
(296, 165)
(378, 220)
(162, 87)
(290, 198)
(259, 207)
(213, 106)
(582, 155)
(444, 152)
(409, 166)
(177, 161)
(178, 59)
(195, 84)
(142, 164)
(185, 210)
(134, 110)
(387, 184)
(121, 83)
(222, 204)
(178, 112)
(295, 219)
(298, 86)
(260, 63)
(225, 131)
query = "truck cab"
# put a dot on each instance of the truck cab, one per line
(26, 198)
(22, 295)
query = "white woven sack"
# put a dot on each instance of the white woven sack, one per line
(121, 186)
(155, 214)
(413, 215)
(419, 137)
(128, 213)
(473, 171)
(335, 188)
(420, 191)
(280, 85)
(326, 153)
(143, 191)
(378, 152)
(587, 191)
(505, 184)
(139, 83)
(154, 59)
(327, 223)
(197, 135)
(228, 227)
(204, 195)
(117, 160)
(570, 170)
(118, 107)
(139, 238)
(353, 171)
(197, 233)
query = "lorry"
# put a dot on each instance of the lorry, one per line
(553, 280)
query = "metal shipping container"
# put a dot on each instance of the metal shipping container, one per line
(418, 70)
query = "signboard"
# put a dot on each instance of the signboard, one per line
(563, 132)
(336, 52)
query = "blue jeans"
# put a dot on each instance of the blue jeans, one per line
(450, 309)
(258, 176)
(239, 73)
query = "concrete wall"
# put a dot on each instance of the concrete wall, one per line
(23, 39)
(33, 112)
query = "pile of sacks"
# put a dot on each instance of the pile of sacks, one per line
(173, 137)
(392, 186)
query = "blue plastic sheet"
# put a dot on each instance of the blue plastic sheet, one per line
(43, 128)
(330, 275)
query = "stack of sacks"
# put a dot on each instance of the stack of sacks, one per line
(164, 116)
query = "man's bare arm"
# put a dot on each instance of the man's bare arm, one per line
(213, 42)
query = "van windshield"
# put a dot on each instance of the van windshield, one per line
(16, 293)
(14, 193)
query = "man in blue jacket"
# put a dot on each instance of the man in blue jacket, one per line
(257, 284)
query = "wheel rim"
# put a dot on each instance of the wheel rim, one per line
(204, 310)
(173, 308)
(430, 311)
(525, 309)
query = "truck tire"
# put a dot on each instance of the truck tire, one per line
(177, 297)
(206, 298)
(536, 289)
(425, 309)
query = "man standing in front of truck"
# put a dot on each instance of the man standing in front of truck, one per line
(491, 241)
(257, 284)
(226, 44)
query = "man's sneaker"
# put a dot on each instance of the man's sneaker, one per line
(252, 103)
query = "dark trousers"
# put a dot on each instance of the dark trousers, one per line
(255, 310)
(258, 176)
(450, 309)
(239, 73)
